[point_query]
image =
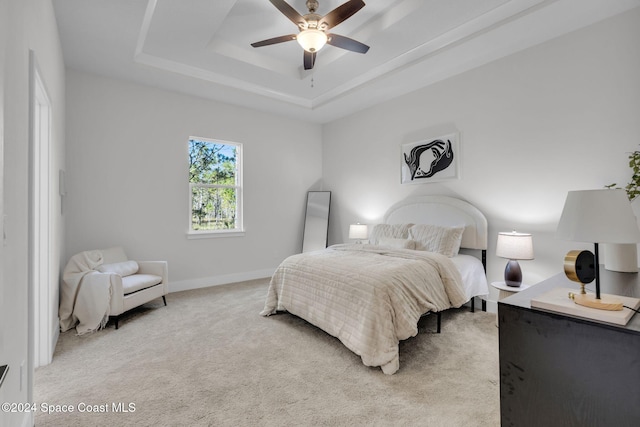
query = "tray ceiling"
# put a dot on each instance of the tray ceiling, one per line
(202, 47)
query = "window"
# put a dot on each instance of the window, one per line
(215, 187)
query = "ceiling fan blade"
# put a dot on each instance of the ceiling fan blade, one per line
(346, 43)
(288, 11)
(274, 40)
(309, 60)
(340, 13)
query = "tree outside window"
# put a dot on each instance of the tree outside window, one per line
(215, 185)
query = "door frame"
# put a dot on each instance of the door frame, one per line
(41, 329)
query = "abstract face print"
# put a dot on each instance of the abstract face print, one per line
(430, 160)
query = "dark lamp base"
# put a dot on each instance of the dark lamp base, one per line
(513, 274)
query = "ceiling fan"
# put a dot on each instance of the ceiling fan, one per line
(313, 29)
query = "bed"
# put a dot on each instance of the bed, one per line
(427, 256)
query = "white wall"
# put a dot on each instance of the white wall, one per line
(128, 179)
(557, 117)
(24, 25)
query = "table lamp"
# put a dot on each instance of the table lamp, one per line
(358, 232)
(514, 246)
(598, 216)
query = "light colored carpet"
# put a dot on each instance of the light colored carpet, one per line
(209, 359)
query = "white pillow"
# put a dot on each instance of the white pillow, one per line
(392, 231)
(126, 268)
(437, 238)
(397, 243)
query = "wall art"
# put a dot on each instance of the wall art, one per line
(431, 159)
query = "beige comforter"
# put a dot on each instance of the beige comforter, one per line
(370, 297)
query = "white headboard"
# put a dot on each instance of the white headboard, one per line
(442, 210)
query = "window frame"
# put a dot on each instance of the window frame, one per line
(238, 187)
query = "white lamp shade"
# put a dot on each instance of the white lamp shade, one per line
(312, 40)
(515, 245)
(358, 231)
(598, 216)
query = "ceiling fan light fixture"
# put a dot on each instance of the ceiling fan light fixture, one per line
(313, 29)
(312, 40)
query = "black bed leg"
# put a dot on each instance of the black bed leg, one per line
(473, 304)
(439, 317)
(165, 300)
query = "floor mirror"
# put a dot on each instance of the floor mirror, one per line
(316, 221)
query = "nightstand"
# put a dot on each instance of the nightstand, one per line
(506, 290)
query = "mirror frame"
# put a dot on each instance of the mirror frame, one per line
(315, 234)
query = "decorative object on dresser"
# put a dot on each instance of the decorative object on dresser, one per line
(514, 246)
(358, 232)
(623, 257)
(579, 266)
(598, 216)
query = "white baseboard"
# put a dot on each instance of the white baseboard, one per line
(205, 282)
(55, 334)
(492, 306)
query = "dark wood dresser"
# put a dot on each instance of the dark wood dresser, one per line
(560, 370)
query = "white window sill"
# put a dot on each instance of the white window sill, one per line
(213, 234)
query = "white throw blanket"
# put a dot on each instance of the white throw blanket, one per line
(85, 295)
(370, 297)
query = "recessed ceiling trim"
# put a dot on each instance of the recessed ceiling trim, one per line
(144, 28)
(392, 15)
(196, 47)
(418, 54)
(255, 58)
(507, 12)
(177, 67)
(199, 73)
